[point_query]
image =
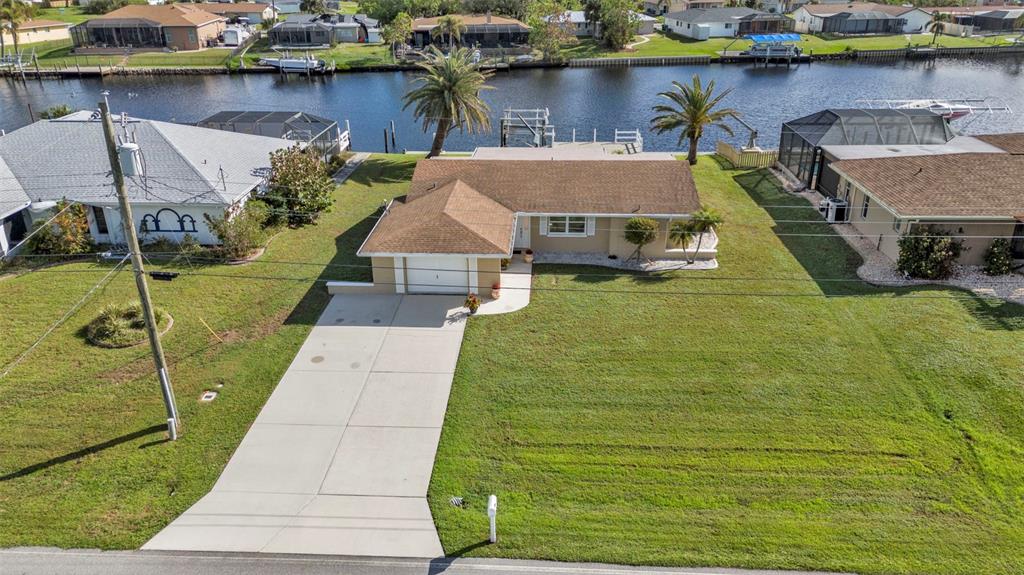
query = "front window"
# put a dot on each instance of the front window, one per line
(567, 226)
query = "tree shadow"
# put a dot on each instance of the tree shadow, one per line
(68, 457)
(993, 313)
(382, 170)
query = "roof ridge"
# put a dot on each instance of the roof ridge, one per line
(156, 125)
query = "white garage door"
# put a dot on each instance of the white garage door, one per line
(437, 275)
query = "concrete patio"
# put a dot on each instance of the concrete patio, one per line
(339, 460)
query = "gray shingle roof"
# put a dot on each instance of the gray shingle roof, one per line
(67, 158)
(12, 196)
(699, 15)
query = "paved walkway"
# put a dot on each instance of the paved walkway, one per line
(339, 460)
(350, 166)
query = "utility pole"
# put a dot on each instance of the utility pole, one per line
(127, 223)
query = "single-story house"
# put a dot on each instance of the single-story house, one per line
(462, 216)
(38, 30)
(980, 19)
(323, 29)
(482, 31)
(254, 12)
(860, 18)
(176, 26)
(973, 196)
(660, 7)
(287, 6)
(704, 23)
(179, 174)
(576, 21)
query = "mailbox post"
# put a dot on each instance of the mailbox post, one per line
(492, 514)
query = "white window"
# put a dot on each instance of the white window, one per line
(567, 225)
(896, 224)
(728, 25)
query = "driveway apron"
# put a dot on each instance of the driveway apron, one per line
(339, 460)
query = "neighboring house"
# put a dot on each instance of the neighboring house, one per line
(180, 173)
(287, 6)
(255, 13)
(173, 26)
(576, 22)
(980, 19)
(704, 23)
(973, 196)
(807, 145)
(482, 31)
(860, 18)
(661, 7)
(322, 134)
(324, 29)
(462, 216)
(39, 30)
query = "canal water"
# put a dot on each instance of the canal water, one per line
(578, 98)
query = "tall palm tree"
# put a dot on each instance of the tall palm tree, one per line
(691, 110)
(938, 25)
(449, 27)
(449, 95)
(12, 14)
(704, 221)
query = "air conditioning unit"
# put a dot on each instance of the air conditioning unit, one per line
(836, 210)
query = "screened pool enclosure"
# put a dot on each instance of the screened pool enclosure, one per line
(322, 134)
(801, 142)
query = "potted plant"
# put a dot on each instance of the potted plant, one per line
(504, 263)
(496, 290)
(528, 256)
(472, 302)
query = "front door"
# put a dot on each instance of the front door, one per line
(522, 232)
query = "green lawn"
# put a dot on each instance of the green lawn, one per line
(349, 8)
(663, 420)
(82, 461)
(71, 14)
(61, 56)
(667, 44)
(344, 55)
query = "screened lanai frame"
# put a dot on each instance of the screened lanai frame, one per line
(319, 133)
(120, 33)
(801, 139)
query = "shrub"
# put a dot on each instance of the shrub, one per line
(123, 325)
(640, 232)
(999, 258)
(242, 234)
(928, 253)
(300, 188)
(54, 112)
(67, 234)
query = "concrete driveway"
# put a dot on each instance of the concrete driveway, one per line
(339, 460)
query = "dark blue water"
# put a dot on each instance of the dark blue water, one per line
(583, 99)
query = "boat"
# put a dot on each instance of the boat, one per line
(302, 65)
(944, 108)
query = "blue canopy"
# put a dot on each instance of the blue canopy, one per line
(765, 38)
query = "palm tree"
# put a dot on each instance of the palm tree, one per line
(449, 95)
(692, 109)
(450, 27)
(680, 233)
(12, 14)
(704, 221)
(938, 25)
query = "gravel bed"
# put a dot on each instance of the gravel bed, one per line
(597, 259)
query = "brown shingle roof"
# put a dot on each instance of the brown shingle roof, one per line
(454, 218)
(1012, 143)
(569, 186)
(468, 206)
(165, 14)
(222, 8)
(468, 20)
(825, 9)
(950, 185)
(36, 23)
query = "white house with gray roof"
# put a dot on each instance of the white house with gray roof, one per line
(180, 174)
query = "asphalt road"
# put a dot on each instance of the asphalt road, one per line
(40, 561)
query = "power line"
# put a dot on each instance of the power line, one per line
(62, 319)
(170, 256)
